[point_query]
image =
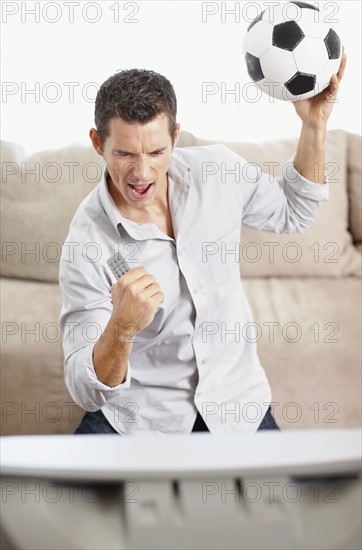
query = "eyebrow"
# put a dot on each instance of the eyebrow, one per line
(160, 150)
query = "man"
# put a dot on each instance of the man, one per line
(156, 361)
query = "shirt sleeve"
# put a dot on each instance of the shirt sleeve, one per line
(86, 310)
(285, 204)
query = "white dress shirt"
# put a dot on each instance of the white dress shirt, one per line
(200, 350)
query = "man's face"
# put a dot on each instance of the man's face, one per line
(137, 158)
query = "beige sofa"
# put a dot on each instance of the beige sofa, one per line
(304, 289)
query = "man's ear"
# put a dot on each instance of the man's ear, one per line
(176, 134)
(96, 142)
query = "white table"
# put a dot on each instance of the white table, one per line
(272, 490)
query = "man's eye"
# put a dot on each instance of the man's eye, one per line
(157, 153)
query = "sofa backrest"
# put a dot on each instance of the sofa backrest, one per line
(41, 193)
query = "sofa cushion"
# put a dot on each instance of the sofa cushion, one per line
(40, 195)
(308, 335)
(34, 397)
(326, 248)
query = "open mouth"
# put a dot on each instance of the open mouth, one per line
(139, 191)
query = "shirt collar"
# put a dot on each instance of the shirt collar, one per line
(179, 181)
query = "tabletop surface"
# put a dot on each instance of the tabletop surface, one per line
(113, 457)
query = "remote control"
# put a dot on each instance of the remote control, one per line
(118, 265)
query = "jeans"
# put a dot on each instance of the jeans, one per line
(96, 423)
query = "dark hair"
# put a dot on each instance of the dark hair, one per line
(135, 95)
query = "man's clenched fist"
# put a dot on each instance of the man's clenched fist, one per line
(136, 296)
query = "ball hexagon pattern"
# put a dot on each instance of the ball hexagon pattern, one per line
(290, 53)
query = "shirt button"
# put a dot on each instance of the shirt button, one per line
(179, 252)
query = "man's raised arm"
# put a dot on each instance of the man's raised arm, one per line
(314, 113)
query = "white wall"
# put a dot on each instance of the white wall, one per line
(168, 37)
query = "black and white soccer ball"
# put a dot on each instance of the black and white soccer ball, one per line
(290, 52)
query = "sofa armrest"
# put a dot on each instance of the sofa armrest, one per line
(354, 169)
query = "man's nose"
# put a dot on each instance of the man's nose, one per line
(142, 170)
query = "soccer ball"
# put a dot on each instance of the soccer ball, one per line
(290, 52)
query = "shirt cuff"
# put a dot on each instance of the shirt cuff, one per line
(304, 187)
(90, 373)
